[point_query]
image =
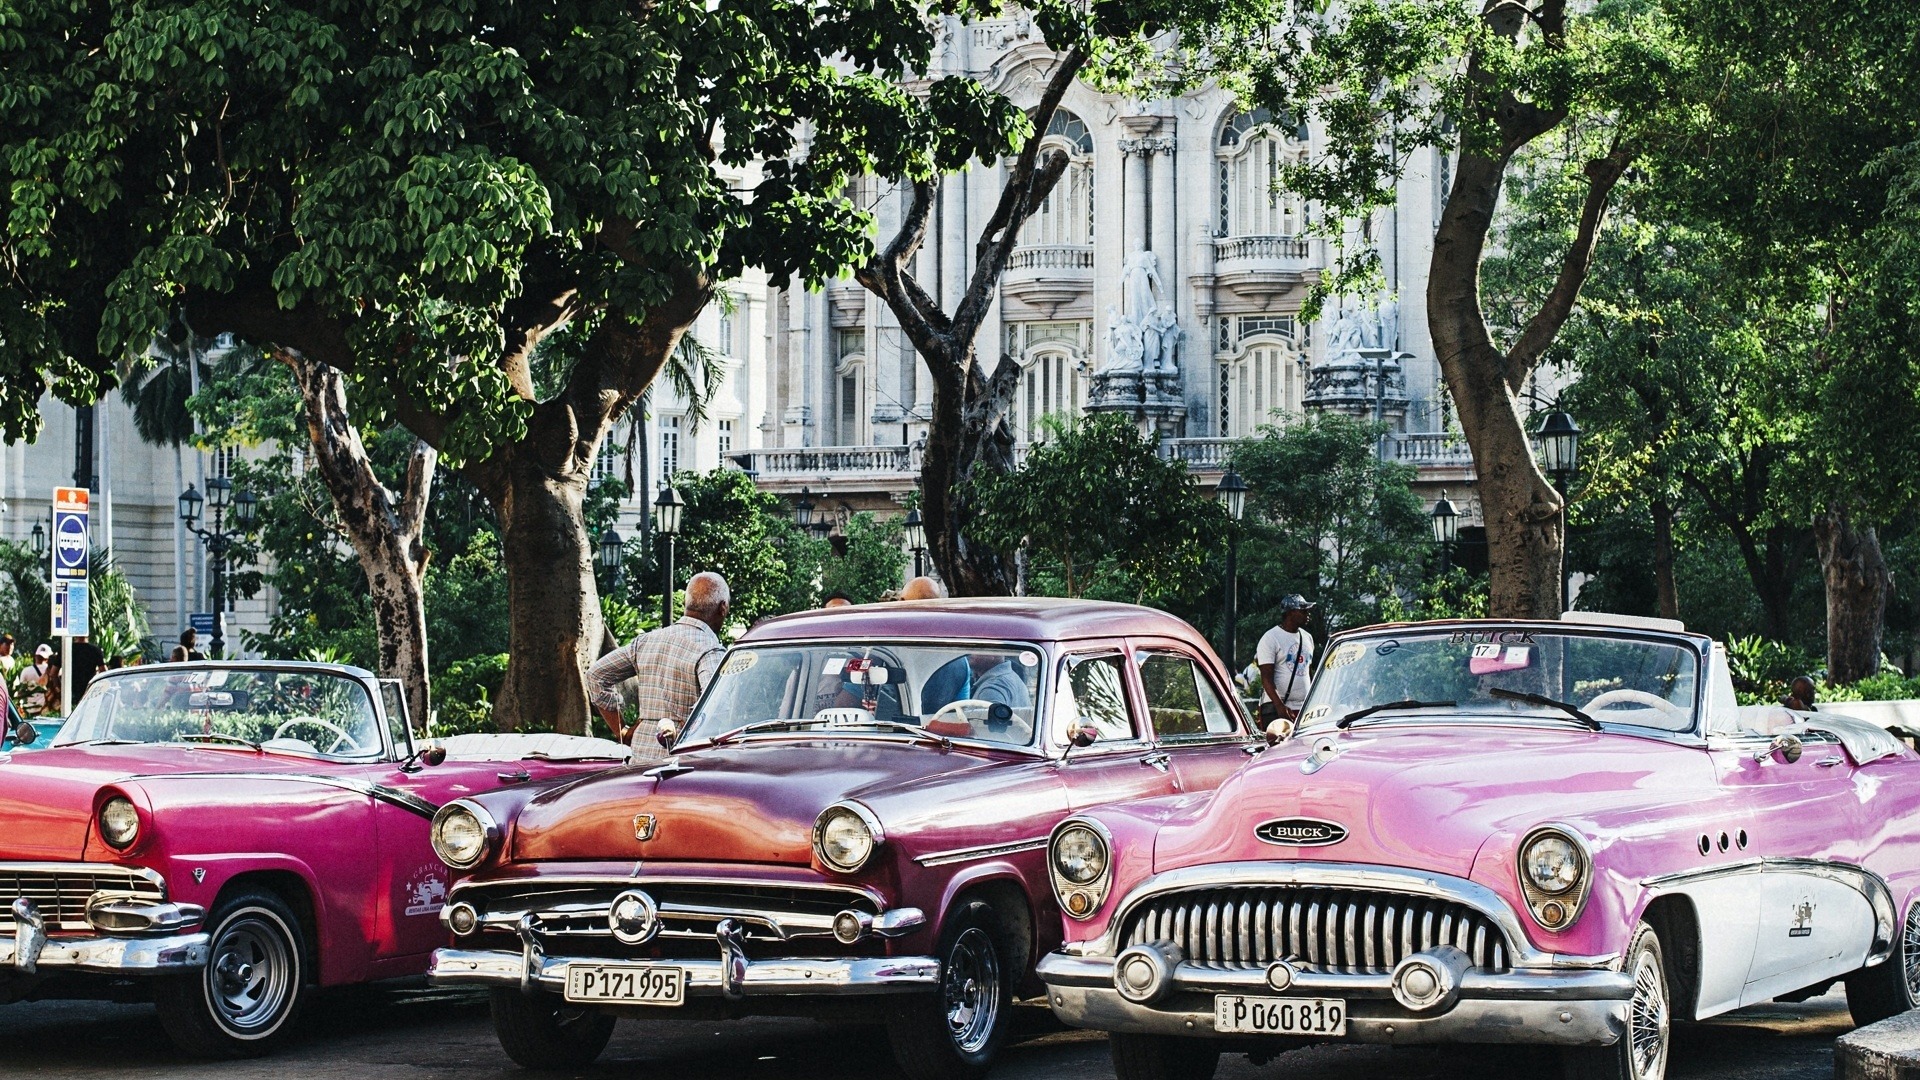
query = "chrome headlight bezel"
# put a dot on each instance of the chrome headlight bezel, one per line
(118, 816)
(484, 824)
(847, 811)
(1554, 910)
(1080, 900)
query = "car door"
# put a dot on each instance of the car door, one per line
(1192, 722)
(1095, 687)
(1811, 924)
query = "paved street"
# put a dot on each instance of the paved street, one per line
(429, 1035)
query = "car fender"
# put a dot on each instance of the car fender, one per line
(1044, 916)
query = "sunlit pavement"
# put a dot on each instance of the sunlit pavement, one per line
(422, 1034)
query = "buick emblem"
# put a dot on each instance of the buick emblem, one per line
(1300, 832)
(643, 826)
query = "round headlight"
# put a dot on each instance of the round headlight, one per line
(461, 835)
(843, 839)
(1552, 863)
(119, 822)
(1079, 855)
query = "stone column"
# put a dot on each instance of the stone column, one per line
(1166, 211)
(953, 240)
(1135, 234)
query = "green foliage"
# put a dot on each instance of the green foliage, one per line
(116, 616)
(1455, 594)
(731, 527)
(873, 563)
(1763, 668)
(466, 602)
(1101, 514)
(463, 694)
(1326, 517)
(26, 609)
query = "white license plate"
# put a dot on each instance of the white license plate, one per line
(1279, 1015)
(627, 984)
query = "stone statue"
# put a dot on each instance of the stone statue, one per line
(1142, 335)
(1349, 333)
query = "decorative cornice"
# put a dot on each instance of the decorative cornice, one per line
(1148, 146)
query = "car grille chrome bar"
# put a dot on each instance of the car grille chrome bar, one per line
(1346, 931)
(62, 890)
(687, 910)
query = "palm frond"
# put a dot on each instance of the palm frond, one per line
(697, 373)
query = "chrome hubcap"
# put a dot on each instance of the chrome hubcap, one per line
(1647, 1019)
(251, 979)
(971, 988)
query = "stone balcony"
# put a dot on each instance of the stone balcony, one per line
(1260, 268)
(1048, 277)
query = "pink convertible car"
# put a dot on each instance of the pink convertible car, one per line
(1499, 832)
(221, 837)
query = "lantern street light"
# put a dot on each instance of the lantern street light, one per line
(219, 540)
(1232, 493)
(1559, 456)
(916, 541)
(803, 511)
(1446, 529)
(611, 548)
(666, 521)
(39, 541)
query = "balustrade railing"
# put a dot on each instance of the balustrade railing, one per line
(1260, 247)
(1052, 257)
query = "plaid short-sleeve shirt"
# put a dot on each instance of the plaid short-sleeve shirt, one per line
(669, 666)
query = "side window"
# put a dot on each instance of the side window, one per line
(1180, 700)
(1094, 692)
(394, 702)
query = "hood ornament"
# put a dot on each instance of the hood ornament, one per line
(644, 826)
(1324, 751)
(1300, 832)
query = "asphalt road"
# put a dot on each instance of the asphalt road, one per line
(421, 1034)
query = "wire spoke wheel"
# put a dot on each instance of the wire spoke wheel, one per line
(1649, 1021)
(250, 976)
(971, 988)
(1910, 952)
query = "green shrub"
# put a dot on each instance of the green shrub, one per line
(463, 694)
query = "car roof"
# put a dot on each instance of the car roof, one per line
(997, 618)
(1588, 623)
(289, 666)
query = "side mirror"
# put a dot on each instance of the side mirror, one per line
(434, 755)
(1084, 736)
(25, 734)
(1279, 731)
(1786, 749)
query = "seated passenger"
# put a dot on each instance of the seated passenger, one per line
(950, 682)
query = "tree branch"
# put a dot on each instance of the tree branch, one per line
(1602, 174)
(885, 275)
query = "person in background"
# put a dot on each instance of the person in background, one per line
(838, 599)
(88, 660)
(1801, 694)
(1285, 656)
(669, 667)
(35, 680)
(923, 588)
(8, 661)
(189, 646)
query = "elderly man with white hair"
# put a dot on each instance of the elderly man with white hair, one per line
(670, 667)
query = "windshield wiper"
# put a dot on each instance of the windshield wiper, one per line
(1384, 706)
(915, 730)
(1572, 710)
(215, 736)
(749, 729)
(789, 725)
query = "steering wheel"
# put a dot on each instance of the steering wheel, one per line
(344, 738)
(958, 709)
(1635, 697)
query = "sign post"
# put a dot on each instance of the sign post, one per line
(72, 552)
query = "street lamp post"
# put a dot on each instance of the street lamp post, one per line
(666, 520)
(219, 540)
(803, 511)
(1232, 493)
(916, 541)
(39, 541)
(1446, 529)
(1560, 455)
(611, 548)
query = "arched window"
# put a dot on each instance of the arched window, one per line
(1066, 214)
(1263, 376)
(1051, 385)
(1252, 148)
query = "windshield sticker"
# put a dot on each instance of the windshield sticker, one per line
(739, 663)
(1387, 648)
(1488, 659)
(1028, 659)
(834, 666)
(1315, 713)
(1344, 655)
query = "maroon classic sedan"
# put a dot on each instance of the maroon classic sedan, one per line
(854, 822)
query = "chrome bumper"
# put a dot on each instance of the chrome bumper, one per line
(1565, 1008)
(30, 949)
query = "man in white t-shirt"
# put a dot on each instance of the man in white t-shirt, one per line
(1285, 656)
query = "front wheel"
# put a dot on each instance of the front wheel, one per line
(1892, 986)
(1641, 1053)
(953, 1034)
(540, 1031)
(243, 1002)
(1162, 1057)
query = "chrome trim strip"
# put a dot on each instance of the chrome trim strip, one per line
(153, 876)
(405, 800)
(705, 978)
(1868, 884)
(1342, 875)
(154, 916)
(540, 884)
(984, 851)
(1059, 969)
(116, 955)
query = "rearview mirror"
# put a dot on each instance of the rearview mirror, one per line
(25, 734)
(1084, 736)
(1785, 749)
(434, 755)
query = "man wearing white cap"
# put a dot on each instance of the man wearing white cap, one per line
(35, 680)
(1285, 656)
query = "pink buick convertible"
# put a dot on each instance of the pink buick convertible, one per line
(1553, 833)
(221, 837)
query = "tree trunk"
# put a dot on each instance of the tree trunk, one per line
(976, 438)
(1666, 592)
(385, 529)
(555, 630)
(1858, 583)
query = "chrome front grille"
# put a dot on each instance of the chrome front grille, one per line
(688, 910)
(61, 890)
(1345, 931)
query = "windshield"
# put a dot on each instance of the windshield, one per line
(984, 692)
(307, 712)
(1613, 677)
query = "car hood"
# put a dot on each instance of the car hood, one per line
(1429, 797)
(47, 797)
(754, 801)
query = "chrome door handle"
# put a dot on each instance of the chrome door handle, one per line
(1158, 760)
(1830, 762)
(519, 776)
